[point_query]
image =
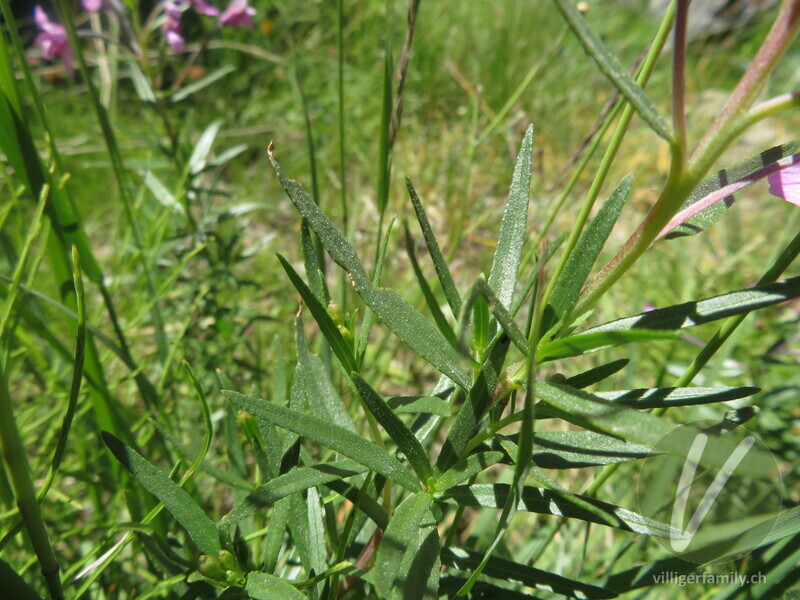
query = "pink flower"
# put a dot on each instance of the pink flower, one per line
(172, 26)
(92, 5)
(238, 14)
(53, 40)
(786, 184)
(204, 8)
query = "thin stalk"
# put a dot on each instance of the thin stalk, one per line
(119, 172)
(611, 153)
(342, 169)
(679, 76)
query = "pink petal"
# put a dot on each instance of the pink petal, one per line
(786, 184)
(176, 40)
(204, 8)
(92, 4)
(238, 14)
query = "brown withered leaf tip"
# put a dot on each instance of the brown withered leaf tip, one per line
(271, 149)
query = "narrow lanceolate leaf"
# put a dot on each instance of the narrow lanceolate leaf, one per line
(407, 561)
(597, 374)
(591, 340)
(439, 263)
(582, 259)
(263, 586)
(322, 397)
(573, 449)
(296, 480)
(712, 198)
(481, 289)
(768, 532)
(610, 66)
(666, 397)
(340, 348)
(710, 309)
(468, 467)
(419, 404)
(430, 299)
(406, 441)
(329, 435)
(552, 502)
(185, 510)
(506, 570)
(408, 324)
(640, 427)
(513, 230)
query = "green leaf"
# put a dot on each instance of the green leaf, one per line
(263, 586)
(583, 256)
(689, 314)
(296, 480)
(481, 289)
(185, 510)
(610, 66)
(685, 396)
(597, 374)
(406, 442)
(553, 502)
(311, 259)
(513, 229)
(419, 404)
(340, 348)
(592, 340)
(574, 449)
(468, 467)
(199, 156)
(409, 325)
(722, 189)
(506, 570)
(643, 428)
(320, 393)
(448, 586)
(439, 263)
(202, 83)
(329, 435)
(430, 299)
(14, 585)
(407, 561)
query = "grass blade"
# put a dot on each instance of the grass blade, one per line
(329, 435)
(513, 230)
(610, 66)
(174, 498)
(397, 430)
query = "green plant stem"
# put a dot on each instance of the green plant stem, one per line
(119, 172)
(342, 169)
(17, 463)
(681, 182)
(679, 75)
(611, 152)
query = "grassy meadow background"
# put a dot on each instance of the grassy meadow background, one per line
(480, 72)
